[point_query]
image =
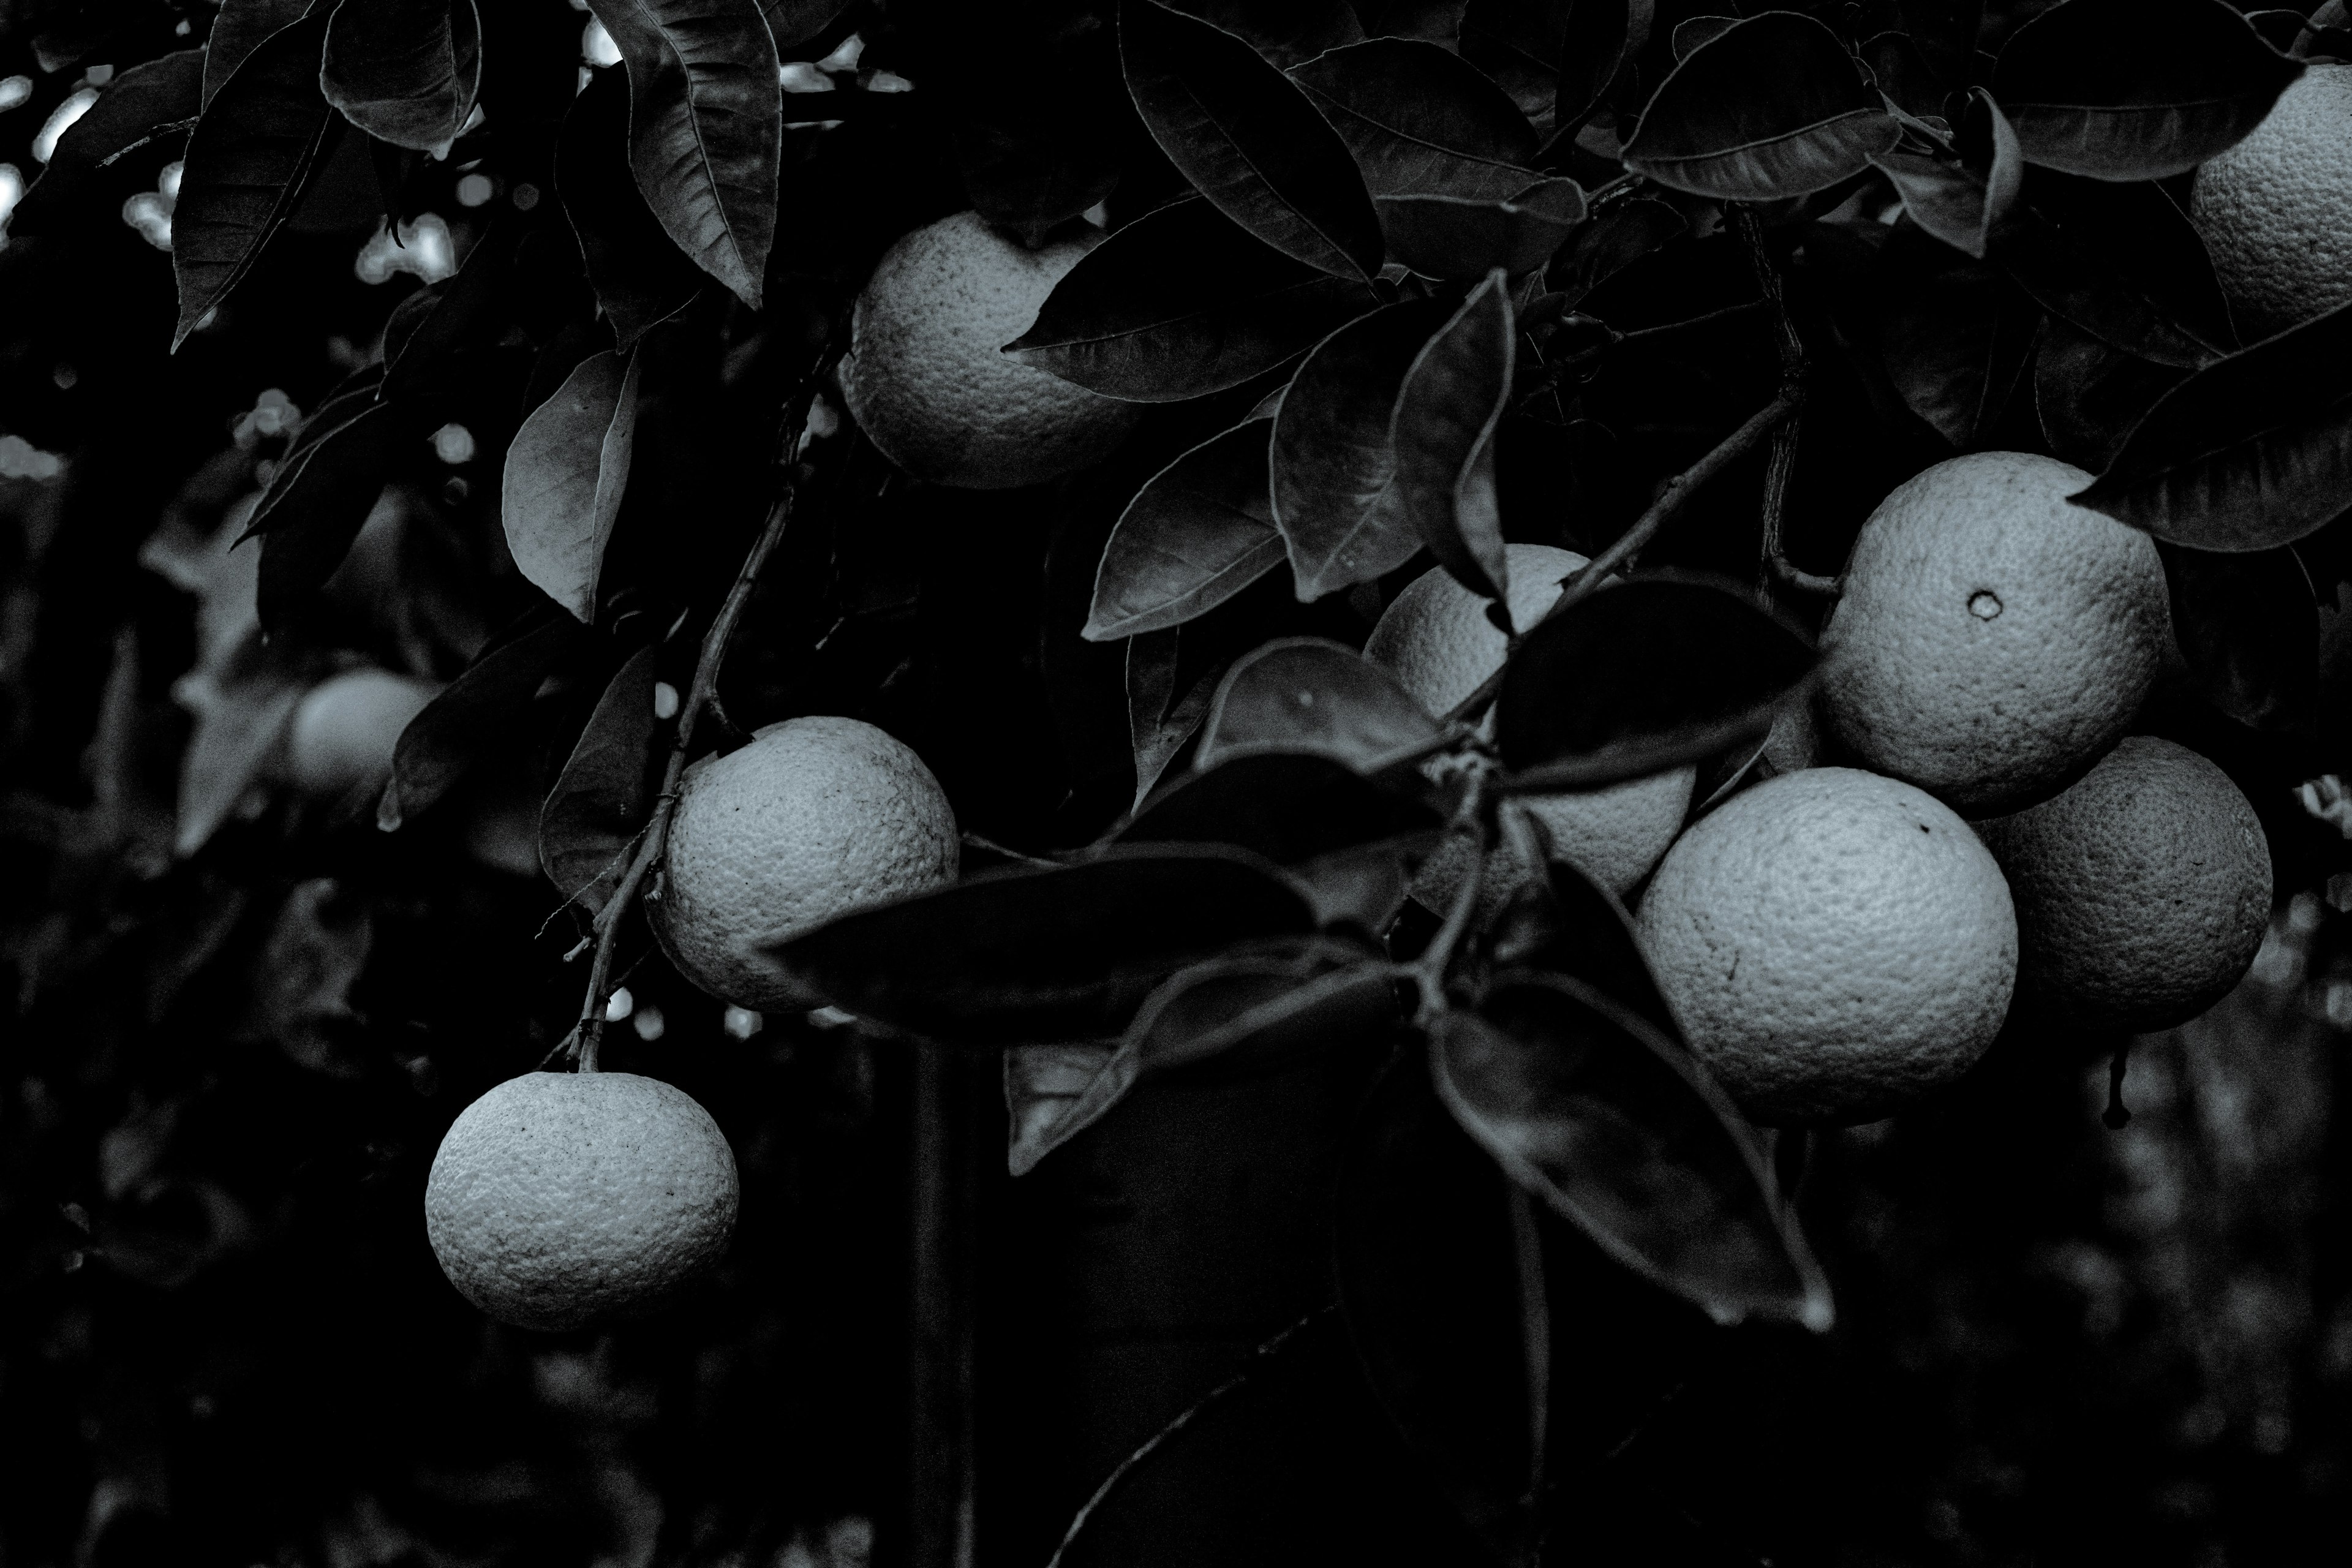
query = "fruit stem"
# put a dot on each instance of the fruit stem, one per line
(2116, 1116)
(1671, 500)
(1782, 464)
(700, 697)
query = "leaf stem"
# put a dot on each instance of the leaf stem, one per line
(1428, 971)
(1663, 328)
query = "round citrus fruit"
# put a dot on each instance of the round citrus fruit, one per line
(559, 1199)
(925, 376)
(2275, 210)
(1991, 638)
(2142, 891)
(345, 728)
(1437, 641)
(816, 817)
(1835, 944)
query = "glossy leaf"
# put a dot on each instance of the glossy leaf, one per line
(1417, 117)
(1335, 497)
(1442, 436)
(2121, 262)
(1585, 1105)
(473, 713)
(404, 71)
(705, 128)
(2089, 393)
(1041, 954)
(1249, 139)
(565, 475)
(240, 28)
(1198, 532)
(2251, 452)
(1462, 238)
(2250, 630)
(1158, 721)
(1180, 303)
(1611, 242)
(601, 800)
(316, 505)
(2137, 89)
(1308, 694)
(1773, 107)
(1288, 806)
(1659, 670)
(1955, 335)
(638, 275)
(143, 102)
(1958, 204)
(249, 161)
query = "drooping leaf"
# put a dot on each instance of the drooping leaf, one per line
(1598, 47)
(1249, 139)
(1658, 670)
(1773, 107)
(638, 275)
(705, 128)
(2121, 262)
(143, 102)
(2250, 630)
(1286, 32)
(1198, 532)
(565, 475)
(2089, 393)
(1288, 806)
(1181, 304)
(1955, 335)
(601, 800)
(1270, 1000)
(316, 505)
(1309, 694)
(2137, 89)
(1611, 242)
(1442, 436)
(1335, 496)
(1418, 118)
(1584, 1104)
(2251, 452)
(404, 71)
(1958, 204)
(1567, 923)
(1040, 954)
(1462, 238)
(251, 157)
(239, 29)
(473, 713)
(1160, 721)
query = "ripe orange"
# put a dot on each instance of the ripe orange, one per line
(2275, 210)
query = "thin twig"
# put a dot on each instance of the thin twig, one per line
(1671, 500)
(655, 837)
(1782, 464)
(1663, 328)
(1428, 971)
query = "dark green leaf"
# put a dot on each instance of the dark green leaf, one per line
(1959, 205)
(1519, 44)
(638, 275)
(1584, 1104)
(1180, 303)
(2120, 261)
(2089, 393)
(474, 713)
(601, 800)
(705, 128)
(1418, 118)
(1462, 238)
(404, 71)
(1033, 954)
(1334, 476)
(250, 160)
(238, 30)
(1249, 139)
(2137, 89)
(316, 505)
(795, 22)
(1773, 107)
(2250, 630)
(1611, 242)
(1442, 437)
(1199, 531)
(1286, 32)
(1159, 721)
(143, 102)
(1288, 806)
(1570, 924)
(564, 477)
(422, 341)
(1955, 335)
(1306, 694)
(1651, 673)
(1598, 48)
(1690, 34)
(2253, 451)
(1434, 21)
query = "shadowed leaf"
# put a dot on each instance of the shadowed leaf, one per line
(1199, 531)
(1308, 694)
(1158, 721)
(1956, 203)
(2121, 262)
(1288, 806)
(564, 477)
(2089, 393)
(638, 275)
(1598, 47)
(1286, 32)
(404, 71)
(240, 28)
(141, 103)
(1418, 118)
(603, 796)
(1611, 242)
(1955, 335)
(317, 505)
(473, 713)
(2250, 630)
(1462, 238)
(1442, 437)
(1570, 924)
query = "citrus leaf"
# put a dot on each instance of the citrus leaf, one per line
(1249, 139)
(1442, 436)
(565, 476)
(1771, 107)
(705, 128)
(1034, 954)
(1432, 21)
(1288, 806)
(1418, 117)
(404, 71)
(249, 161)
(1598, 48)
(1159, 723)
(1335, 496)
(241, 28)
(1308, 694)
(1519, 43)
(638, 275)
(1286, 32)
(241, 707)
(1958, 205)
(1660, 670)
(144, 102)
(2120, 261)
(1462, 238)
(473, 713)
(1178, 304)
(1955, 335)
(316, 505)
(1609, 243)
(2250, 630)
(602, 798)
(1199, 531)
(795, 22)
(1567, 923)
(1694, 32)
(2137, 89)
(2253, 451)
(423, 339)
(2088, 393)
(1619, 1130)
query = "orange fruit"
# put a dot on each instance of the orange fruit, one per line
(2275, 210)
(345, 728)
